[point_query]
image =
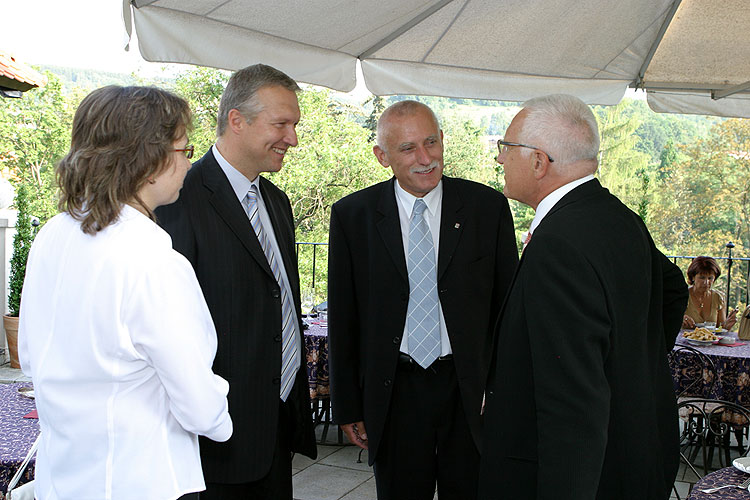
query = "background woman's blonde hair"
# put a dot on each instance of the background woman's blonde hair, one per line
(121, 137)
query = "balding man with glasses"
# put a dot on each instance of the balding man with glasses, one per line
(579, 401)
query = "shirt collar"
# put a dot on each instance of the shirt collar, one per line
(431, 199)
(240, 183)
(551, 200)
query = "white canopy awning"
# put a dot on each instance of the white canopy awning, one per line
(684, 53)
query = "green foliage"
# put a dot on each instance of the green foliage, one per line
(333, 159)
(378, 106)
(34, 135)
(21, 245)
(622, 168)
(202, 87)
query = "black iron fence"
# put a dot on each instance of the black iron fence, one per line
(735, 271)
(312, 261)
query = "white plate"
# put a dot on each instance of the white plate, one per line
(701, 343)
(742, 463)
(27, 392)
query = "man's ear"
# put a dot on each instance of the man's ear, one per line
(541, 165)
(235, 120)
(381, 155)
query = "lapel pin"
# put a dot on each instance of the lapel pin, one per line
(457, 225)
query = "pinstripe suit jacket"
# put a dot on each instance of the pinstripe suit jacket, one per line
(209, 226)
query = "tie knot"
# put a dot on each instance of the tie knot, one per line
(419, 207)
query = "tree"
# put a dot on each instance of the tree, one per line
(202, 87)
(35, 135)
(378, 106)
(622, 168)
(21, 246)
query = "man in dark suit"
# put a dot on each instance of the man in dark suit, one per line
(410, 326)
(236, 229)
(580, 402)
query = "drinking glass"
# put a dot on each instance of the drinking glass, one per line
(308, 300)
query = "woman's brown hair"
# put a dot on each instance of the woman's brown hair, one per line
(122, 136)
(703, 264)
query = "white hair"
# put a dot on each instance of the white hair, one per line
(563, 126)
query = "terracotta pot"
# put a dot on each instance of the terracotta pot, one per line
(10, 323)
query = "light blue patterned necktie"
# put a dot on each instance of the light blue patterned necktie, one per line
(290, 359)
(422, 316)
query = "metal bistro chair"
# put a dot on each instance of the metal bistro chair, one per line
(711, 425)
(693, 372)
(694, 375)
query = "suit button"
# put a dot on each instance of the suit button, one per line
(404, 296)
(276, 294)
(387, 382)
(277, 380)
(277, 338)
(397, 340)
(443, 290)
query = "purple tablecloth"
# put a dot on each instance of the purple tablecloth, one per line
(316, 343)
(728, 475)
(17, 434)
(732, 372)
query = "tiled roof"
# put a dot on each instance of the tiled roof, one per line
(18, 76)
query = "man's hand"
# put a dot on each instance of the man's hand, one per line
(356, 433)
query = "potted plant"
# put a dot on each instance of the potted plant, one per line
(21, 245)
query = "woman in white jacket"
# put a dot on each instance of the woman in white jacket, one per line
(114, 330)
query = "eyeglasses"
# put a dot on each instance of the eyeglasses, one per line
(501, 143)
(188, 150)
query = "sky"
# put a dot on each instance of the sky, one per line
(87, 34)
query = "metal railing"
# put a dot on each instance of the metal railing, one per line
(737, 291)
(313, 269)
(308, 258)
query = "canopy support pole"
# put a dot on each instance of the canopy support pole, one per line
(403, 29)
(720, 94)
(667, 20)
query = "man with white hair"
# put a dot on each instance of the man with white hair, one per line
(418, 268)
(579, 401)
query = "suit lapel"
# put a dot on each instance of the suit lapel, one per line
(230, 210)
(389, 227)
(451, 225)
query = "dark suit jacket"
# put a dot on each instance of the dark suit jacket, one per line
(368, 295)
(580, 403)
(209, 226)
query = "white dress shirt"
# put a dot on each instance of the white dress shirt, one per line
(551, 200)
(119, 343)
(434, 201)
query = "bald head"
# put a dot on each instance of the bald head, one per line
(399, 110)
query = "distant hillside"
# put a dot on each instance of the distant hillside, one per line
(90, 79)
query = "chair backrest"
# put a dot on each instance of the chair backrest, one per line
(709, 424)
(693, 372)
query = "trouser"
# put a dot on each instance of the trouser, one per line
(426, 441)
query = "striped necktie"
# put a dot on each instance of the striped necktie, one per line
(526, 240)
(290, 358)
(422, 312)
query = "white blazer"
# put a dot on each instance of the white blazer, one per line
(119, 343)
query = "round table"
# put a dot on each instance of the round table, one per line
(17, 434)
(732, 372)
(727, 475)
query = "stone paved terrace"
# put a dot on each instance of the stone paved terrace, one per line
(336, 475)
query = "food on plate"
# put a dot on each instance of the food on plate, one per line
(700, 334)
